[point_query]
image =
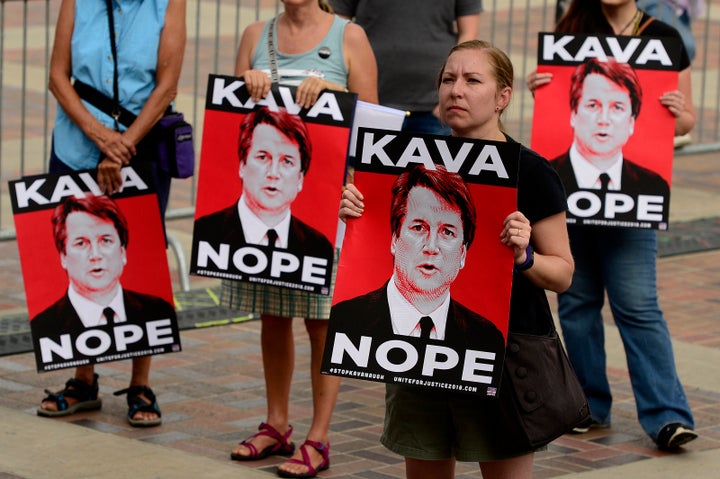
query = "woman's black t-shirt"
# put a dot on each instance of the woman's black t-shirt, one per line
(659, 29)
(540, 195)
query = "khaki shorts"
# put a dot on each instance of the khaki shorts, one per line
(436, 425)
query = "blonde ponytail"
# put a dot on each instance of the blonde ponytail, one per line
(325, 6)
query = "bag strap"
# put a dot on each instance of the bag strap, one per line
(116, 95)
(272, 54)
(644, 25)
(98, 99)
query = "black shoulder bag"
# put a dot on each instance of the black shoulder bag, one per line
(548, 398)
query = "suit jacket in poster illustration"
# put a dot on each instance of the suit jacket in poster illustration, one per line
(225, 227)
(634, 180)
(369, 315)
(61, 317)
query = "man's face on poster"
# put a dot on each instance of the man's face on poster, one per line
(429, 250)
(603, 122)
(94, 258)
(271, 173)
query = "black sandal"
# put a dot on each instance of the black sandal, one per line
(137, 403)
(85, 394)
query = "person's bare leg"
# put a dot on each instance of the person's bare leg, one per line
(421, 469)
(325, 391)
(278, 353)
(516, 468)
(141, 377)
(84, 374)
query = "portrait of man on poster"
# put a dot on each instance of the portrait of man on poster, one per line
(433, 221)
(274, 153)
(605, 101)
(91, 235)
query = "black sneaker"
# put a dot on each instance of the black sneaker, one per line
(589, 424)
(673, 436)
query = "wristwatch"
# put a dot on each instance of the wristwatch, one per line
(529, 260)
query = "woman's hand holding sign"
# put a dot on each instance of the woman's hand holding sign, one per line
(351, 205)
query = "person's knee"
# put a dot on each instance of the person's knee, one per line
(420, 468)
(317, 329)
(514, 468)
(637, 308)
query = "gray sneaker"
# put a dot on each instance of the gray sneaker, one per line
(590, 424)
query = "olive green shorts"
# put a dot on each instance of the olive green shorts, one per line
(436, 425)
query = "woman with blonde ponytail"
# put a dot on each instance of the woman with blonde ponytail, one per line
(435, 428)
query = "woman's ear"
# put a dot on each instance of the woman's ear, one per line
(503, 97)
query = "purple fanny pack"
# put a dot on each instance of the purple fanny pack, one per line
(176, 152)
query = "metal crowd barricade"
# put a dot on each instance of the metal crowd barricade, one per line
(214, 28)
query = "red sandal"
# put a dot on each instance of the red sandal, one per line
(323, 449)
(281, 448)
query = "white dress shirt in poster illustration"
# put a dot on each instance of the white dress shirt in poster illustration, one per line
(600, 123)
(95, 269)
(271, 177)
(422, 295)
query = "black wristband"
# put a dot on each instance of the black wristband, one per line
(529, 260)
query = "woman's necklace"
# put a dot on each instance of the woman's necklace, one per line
(635, 19)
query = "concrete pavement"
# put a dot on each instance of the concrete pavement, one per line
(34, 448)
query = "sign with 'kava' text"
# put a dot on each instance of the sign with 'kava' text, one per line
(600, 123)
(95, 269)
(430, 249)
(270, 180)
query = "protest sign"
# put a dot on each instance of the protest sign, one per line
(427, 244)
(600, 114)
(82, 252)
(270, 180)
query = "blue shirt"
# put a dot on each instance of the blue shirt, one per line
(138, 25)
(326, 60)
